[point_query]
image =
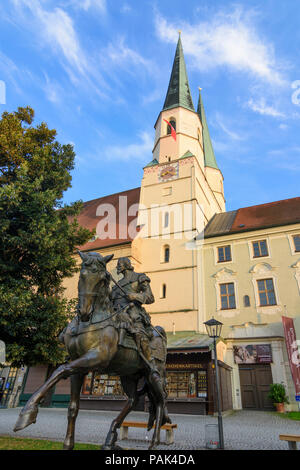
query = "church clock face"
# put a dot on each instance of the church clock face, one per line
(168, 172)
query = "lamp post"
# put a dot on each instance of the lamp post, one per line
(213, 328)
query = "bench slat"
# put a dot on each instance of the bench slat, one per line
(139, 424)
(289, 437)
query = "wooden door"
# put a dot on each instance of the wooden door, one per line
(255, 383)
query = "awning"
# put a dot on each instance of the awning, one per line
(189, 342)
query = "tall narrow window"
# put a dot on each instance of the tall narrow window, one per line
(167, 254)
(246, 301)
(172, 121)
(224, 253)
(163, 291)
(166, 220)
(266, 292)
(260, 248)
(227, 296)
(297, 242)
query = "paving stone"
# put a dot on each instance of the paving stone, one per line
(243, 430)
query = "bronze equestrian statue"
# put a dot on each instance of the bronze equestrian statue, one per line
(110, 334)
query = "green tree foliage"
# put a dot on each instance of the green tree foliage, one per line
(38, 236)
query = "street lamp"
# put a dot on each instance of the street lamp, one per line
(213, 328)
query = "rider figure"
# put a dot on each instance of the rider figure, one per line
(138, 292)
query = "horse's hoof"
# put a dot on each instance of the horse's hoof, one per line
(112, 447)
(26, 418)
(153, 445)
(116, 447)
(68, 447)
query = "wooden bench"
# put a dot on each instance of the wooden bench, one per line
(291, 439)
(169, 428)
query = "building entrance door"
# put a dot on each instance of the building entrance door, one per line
(255, 385)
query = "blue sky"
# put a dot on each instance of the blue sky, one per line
(98, 72)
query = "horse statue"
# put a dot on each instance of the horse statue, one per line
(92, 340)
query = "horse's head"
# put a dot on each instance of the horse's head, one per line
(93, 276)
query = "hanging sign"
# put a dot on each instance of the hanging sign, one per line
(252, 353)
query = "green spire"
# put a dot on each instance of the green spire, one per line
(179, 90)
(209, 155)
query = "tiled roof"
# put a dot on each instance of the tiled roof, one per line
(88, 218)
(220, 224)
(152, 163)
(272, 214)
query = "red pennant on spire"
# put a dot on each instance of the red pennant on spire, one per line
(173, 132)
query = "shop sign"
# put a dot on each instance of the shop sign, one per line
(252, 353)
(185, 366)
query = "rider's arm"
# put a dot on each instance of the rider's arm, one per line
(145, 296)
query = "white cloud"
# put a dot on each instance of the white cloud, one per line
(286, 158)
(227, 39)
(53, 91)
(55, 31)
(260, 106)
(88, 4)
(119, 54)
(126, 8)
(230, 133)
(13, 74)
(138, 151)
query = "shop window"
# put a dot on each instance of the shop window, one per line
(8, 388)
(87, 384)
(224, 253)
(227, 296)
(296, 239)
(102, 385)
(266, 292)
(260, 249)
(187, 384)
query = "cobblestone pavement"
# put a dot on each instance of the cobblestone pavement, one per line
(243, 430)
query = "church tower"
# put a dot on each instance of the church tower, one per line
(182, 188)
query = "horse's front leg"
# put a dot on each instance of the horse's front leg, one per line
(82, 365)
(130, 388)
(76, 383)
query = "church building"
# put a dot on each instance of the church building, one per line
(241, 267)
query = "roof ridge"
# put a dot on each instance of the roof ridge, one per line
(113, 194)
(269, 203)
